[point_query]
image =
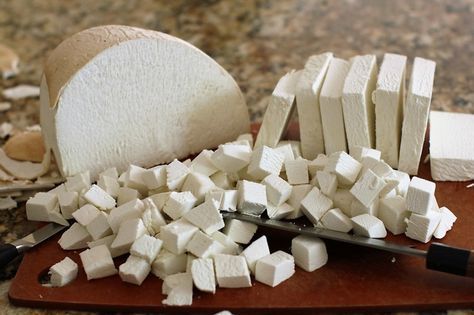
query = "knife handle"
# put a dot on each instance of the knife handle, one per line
(8, 252)
(449, 259)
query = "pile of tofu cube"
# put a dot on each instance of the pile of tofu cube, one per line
(168, 219)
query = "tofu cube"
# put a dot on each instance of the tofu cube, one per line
(318, 164)
(232, 271)
(327, 182)
(369, 226)
(343, 199)
(146, 247)
(202, 163)
(229, 200)
(367, 188)
(176, 235)
(393, 213)
(160, 199)
(167, 263)
(99, 227)
(446, 222)
(179, 288)
(246, 137)
(97, 262)
(252, 198)
(206, 216)
(155, 177)
(315, 205)
(309, 252)
(298, 193)
(403, 182)
(239, 231)
(99, 198)
(255, 251)
(359, 152)
(279, 212)
(198, 185)
(275, 268)
(110, 172)
(204, 277)
(422, 227)
(40, 205)
(344, 166)
(278, 190)
(76, 237)
(78, 182)
(110, 185)
(63, 272)
(130, 210)
(86, 214)
(265, 161)
(357, 208)
(176, 173)
(230, 247)
(179, 203)
(336, 220)
(287, 151)
(231, 158)
(135, 180)
(420, 195)
(129, 231)
(134, 270)
(126, 194)
(68, 203)
(297, 171)
(222, 180)
(203, 246)
(152, 217)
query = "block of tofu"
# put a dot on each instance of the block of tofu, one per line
(204, 278)
(129, 231)
(279, 212)
(297, 194)
(252, 197)
(206, 216)
(159, 199)
(167, 263)
(344, 166)
(126, 194)
(279, 111)
(56, 216)
(179, 203)
(134, 270)
(451, 146)
(287, 152)
(99, 226)
(315, 205)
(309, 252)
(222, 180)
(129, 210)
(391, 179)
(336, 220)
(176, 235)
(318, 164)
(359, 152)
(403, 182)
(110, 172)
(134, 178)
(239, 231)
(97, 262)
(58, 189)
(420, 195)
(155, 177)
(86, 214)
(99, 198)
(297, 171)
(445, 224)
(389, 99)
(232, 271)
(109, 184)
(203, 246)
(278, 190)
(275, 268)
(255, 251)
(189, 261)
(393, 212)
(265, 161)
(295, 146)
(229, 200)
(246, 137)
(415, 120)
(40, 205)
(68, 203)
(146, 247)
(327, 182)
(198, 184)
(78, 182)
(358, 208)
(202, 163)
(369, 226)
(107, 241)
(308, 90)
(230, 247)
(330, 101)
(367, 188)
(63, 272)
(343, 199)
(358, 108)
(176, 173)
(152, 217)
(231, 158)
(179, 288)
(421, 227)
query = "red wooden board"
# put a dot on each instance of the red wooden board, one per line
(355, 278)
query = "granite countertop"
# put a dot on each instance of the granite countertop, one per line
(256, 41)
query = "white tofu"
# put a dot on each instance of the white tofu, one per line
(126, 194)
(99, 226)
(446, 223)
(55, 216)
(129, 231)
(275, 268)
(134, 270)
(367, 188)
(309, 252)
(287, 152)
(160, 199)
(86, 214)
(265, 161)
(358, 108)
(152, 217)
(232, 271)
(135, 179)
(231, 158)
(57, 190)
(179, 203)
(358, 152)
(279, 212)
(222, 180)
(389, 99)
(204, 278)
(403, 182)
(343, 199)
(239, 231)
(295, 146)
(203, 246)
(308, 89)
(318, 164)
(198, 185)
(297, 171)
(167, 263)
(278, 190)
(206, 216)
(327, 182)
(393, 213)
(176, 173)
(420, 195)
(68, 203)
(107, 241)
(130, 210)
(230, 247)
(155, 177)
(358, 208)
(146, 247)
(40, 205)
(330, 101)
(110, 172)
(252, 197)
(344, 166)
(279, 111)
(110, 185)
(203, 165)
(315, 205)
(421, 227)
(255, 251)
(63, 272)
(369, 226)
(451, 146)
(246, 137)
(99, 198)
(97, 262)
(189, 261)
(297, 194)
(336, 220)
(78, 182)
(176, 235)
(179, 288)
(229, 200)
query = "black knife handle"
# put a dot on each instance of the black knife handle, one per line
(8, 252)
(449, 259)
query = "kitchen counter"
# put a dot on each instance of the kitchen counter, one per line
(256, 41)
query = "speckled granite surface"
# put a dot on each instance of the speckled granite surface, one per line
(256, 41)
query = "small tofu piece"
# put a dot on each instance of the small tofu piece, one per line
(297, 194)
(135, 179)
(198, 185)
(129, 231)
(336, 220)
(255, 251)
(308, 90)
(295, 146)
(68, 203)
(206, 216)
(63, 272)
(152, 217)
(99, 198)
(229, 200)
(110, 185)
(110, 172)
(204, 278)
(343, 199)
(176, 173)
(297, 171)
(344, 166)
(420, 195)
(275, 268)
(389, 99)
(278, 190)
(176, 235)
(179, 203)
(99, 226)
(126, 194)
(230, 247)
(97, 262)
(279, 212)
(265, 161)
(367, 188)
(318, 164)
(203, 246)
(357, 208)
(134, 270)
(160, 199)
(403, 182)
(309, 252)
(421, 227)
(369, 226)
(327, 182)
(232, 271)
(446, 223)
(239, 231)
(167, 263)
(55, 216)
(78, 182)
(358, 152)
(246, 137)
(393, 212)
(86, 214)
(146, 247)
(202, 163)
(179, 288)
(222, 180)
(130, 210)
(231, 158)
(287, 152)
(330, 101)
(252, 198)
(315, 205)
(155, 177)
(189, 261)
(40, 205)
(107, 241)
(57, 190)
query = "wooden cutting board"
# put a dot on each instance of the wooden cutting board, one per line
(354, 278)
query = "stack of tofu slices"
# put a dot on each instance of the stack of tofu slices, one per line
(168, 218)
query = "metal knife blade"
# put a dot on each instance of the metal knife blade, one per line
(37, 236)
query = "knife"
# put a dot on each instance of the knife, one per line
(439, 257)
(8, 252)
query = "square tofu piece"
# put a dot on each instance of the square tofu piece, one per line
(110, 172)
(86, 214)
(327, 182)
(203, 165)
(128, 232)
(99, 227)
(40, 205)
(318, 164)
(309, 252)
(279, 212)
(198, 185)
(179, 288)
(252, 198)
(336, 220)
(230, 247)
(167, 263)
(229, 200)
(176, 173)
(160, 199)
(134, 179)
(393, 213)
(358, 108)
(298, 193)
(369, 226)
(403, 182)
(203, 246)
(130, 210)
(99, 198)
(287, 153)
(204, 277)
(155, 177)
(110, 185)
(126, 194)
(420, 195)
(78, 182)
(222, 180)
(451, 146)
(76, 237)
(255, 251)
(206, 216)
(265, 161)
(389, 99)
(315, 205)
(344, 166)
(358, 153)
(279, 111)
(331, 106)
(134, 270)
(418, 106)
(63, 272)
(68, 203)
(297, 171)
(246, 137)
(446, 222)
(146, 247)
(278, 190)
(231, 158)
(232, 271)
(176, 235)
(275, 268)
(367, 188)
(421, 227)
(152, 217)
(239, 231)
(343, 199)
(97, 262)
(358, 208)
(179, 203)
(308, 89)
